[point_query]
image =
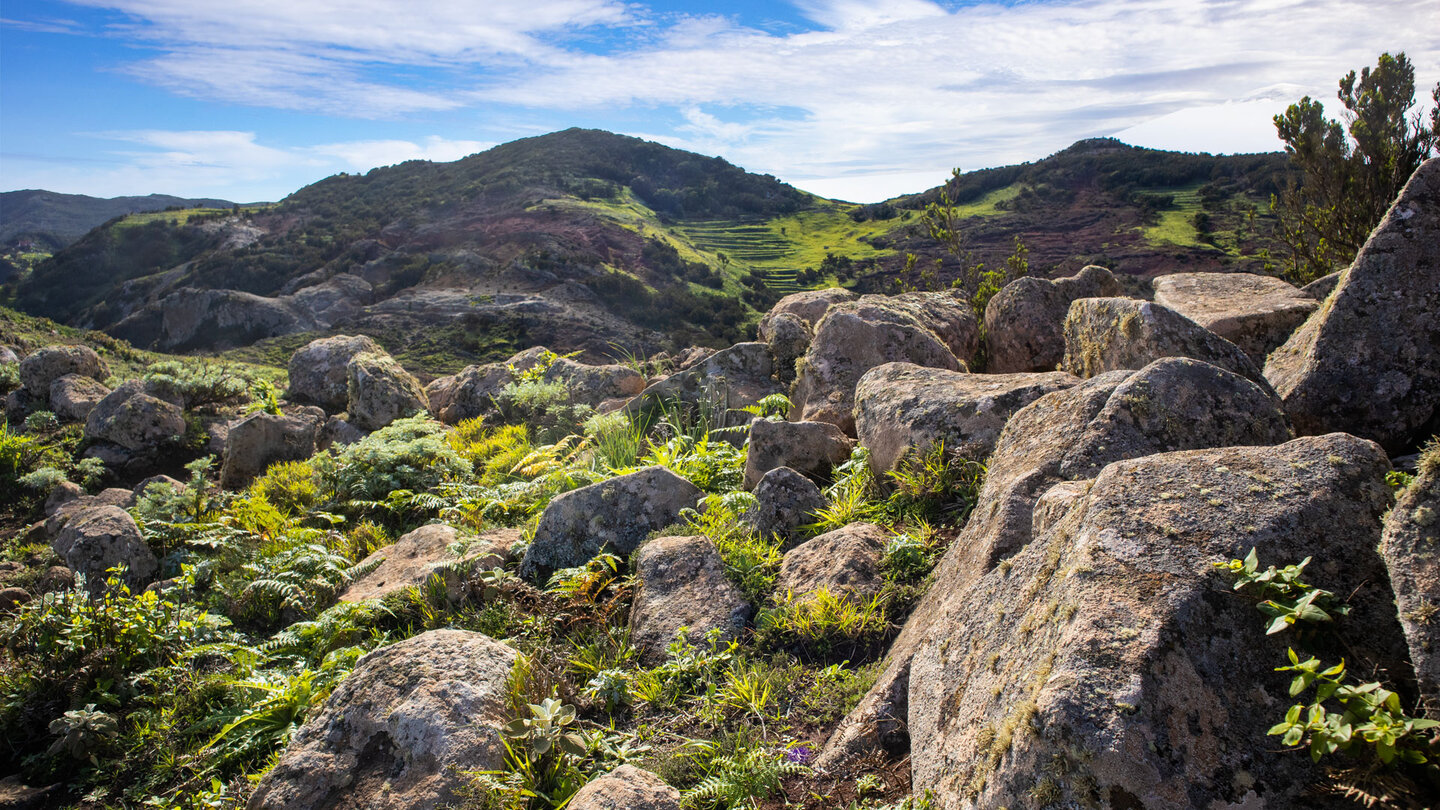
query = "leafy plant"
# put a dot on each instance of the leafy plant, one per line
(741, 779)
(82, 732)
(1294, 601)
(198, 382)
(42, 422)
(823, 620)
(410, 453)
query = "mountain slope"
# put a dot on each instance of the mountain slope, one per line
(53, 220)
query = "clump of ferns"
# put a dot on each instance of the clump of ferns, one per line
(300, 575)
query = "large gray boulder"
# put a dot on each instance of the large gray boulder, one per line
(789, 325)
(613, 515)
(785, 501)
(729, 379)
(261, 439)
(379, 391)
(425, 552)
(46, 365)
(682, 583)
(902, 406)
(1411, 547)
(1105, 334)
(845, 562)
(1111, 660)
(191, 318)
(134, 420)
(928, 329)
(626, 788)
(401, 730)
(1368, 361)
(1024, 322)
(74, 396)
(318, 370)
(810, 448)
(1256, 313)
(97, 538)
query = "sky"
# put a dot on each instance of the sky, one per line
(249, 100)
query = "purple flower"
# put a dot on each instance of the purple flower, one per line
(800, 754)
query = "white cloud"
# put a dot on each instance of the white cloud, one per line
(363, 155)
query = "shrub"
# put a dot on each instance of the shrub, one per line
(42, 422)
(409, 453)
(823, 621)
(290, 486)
(9, 377)
(43, 480)
(197, 382)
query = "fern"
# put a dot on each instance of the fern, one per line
(738, 779)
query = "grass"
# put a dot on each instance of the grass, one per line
(180, 217)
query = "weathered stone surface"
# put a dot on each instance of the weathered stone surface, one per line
(20, 403)
(1368, 361)
(845, 562)
(379, 391)
(809, 306)
(785, 500)
(44, 366)
(262, 439)
(682, 583)
(927, 329)
(788, 338)
(192, 318)
(412, 559)
(810, 448)
(74, 396)
(97, 538)
(472, 391)
(1112, 646)
(1024, 322)
(12, 598)
(1256, 313)
(157, 480)
(400, 731)
(613, 515)
(469, 393)
(1411, 547)
(1105, 334)
(1176, 404)
(63, 509)
(62, 493)
(626, 788)
(900, 406)
(729, 379)
(8, 355)
(337, 431)
(1320, 288)
(134, 420)
(318, 373)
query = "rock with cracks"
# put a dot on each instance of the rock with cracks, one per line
(810, 448)
(613, 515)
(425, 552)
(74, 396)
(1024, 322)
(845, 562)
(401, 730)
(97, 538)
(626, 788)
(379, 391)
(682, 583)
(318, 370)
(46, 365)
(134, 420)
(1411, 547)
(1256, 313)
(262, 439)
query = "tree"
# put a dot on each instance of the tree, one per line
(1352, 168)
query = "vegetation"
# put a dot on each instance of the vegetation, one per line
(1353, 167)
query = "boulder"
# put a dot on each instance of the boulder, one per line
(613, 515)
(845, 562)
(380, 391)
(788, 337)
(318, 374)
(1024, 322)
(1411, 547)
(401, 730)
(626, 788)
(785, 500)
(21, 402)
(338, 432)
(1368, 361)
(1320, 288)
(262, 439)
(1105, 334)
(927, 329)
(8, 355)
(726, 381)
(682, 583)
(1256, 313)
(809, 306)
(810, 448)
(157, 480)
(426, 551)
(1113, 663)
(73, 397)
(98, 538)
(901, 406)
(11, 598)
(134, 420)
(46, 365)
(190, 319)
(471, 392)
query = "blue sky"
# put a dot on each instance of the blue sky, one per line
(250, 99)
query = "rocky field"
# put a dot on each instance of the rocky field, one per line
(1090, 549)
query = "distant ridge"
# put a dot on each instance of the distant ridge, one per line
(54, 220)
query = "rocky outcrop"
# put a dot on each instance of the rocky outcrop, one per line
(613, 515)
(789, 325)
(400, 731)
(626, 788)
(1024, 322)
(785, 501)
(1411, 547)
(425, 552)
(1368, 361)
(318, 373)
(900, 407)
(261, 439)
(1320, 288)
(810, 448)
(192, 318)
(1105, 334)
(97, 538)
(928, 329)
(846, 562)
(74, 396)
(1256, 313)
(727, 380)
(682, 583)
(472, 391)
(46, 365)
(134, 420)
(809, 306)
(1111, 645)
(379, 391)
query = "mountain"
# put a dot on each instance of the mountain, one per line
(52, 221)
(590, 241)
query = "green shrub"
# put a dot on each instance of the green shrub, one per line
(197, 382)
(409, 453)
(43, 480)
(823, 621)
(42, 422)
(9, 377)
(290, 485)
(545, 407)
